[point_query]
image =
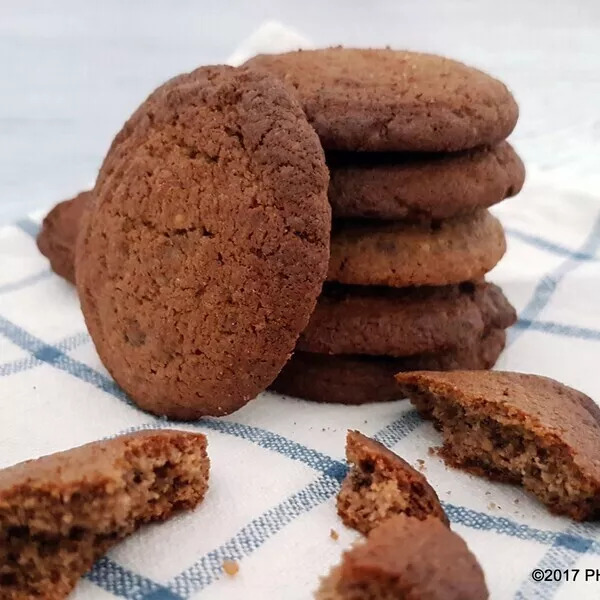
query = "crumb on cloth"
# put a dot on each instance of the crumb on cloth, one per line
(230, 567)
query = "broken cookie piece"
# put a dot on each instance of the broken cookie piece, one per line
(380, 484)
(517, 428)
(60, 513)
(407, 558)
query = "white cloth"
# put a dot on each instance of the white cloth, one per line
(276, 464)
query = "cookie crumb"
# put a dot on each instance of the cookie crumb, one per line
(231, 567)
(334, 535)
(492, 506)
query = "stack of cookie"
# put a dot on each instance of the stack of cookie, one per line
(416, 149)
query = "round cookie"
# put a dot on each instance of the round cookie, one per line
(404, 254)
(365, 379)
(392, 100)
(56, 239)
(203, 255)
(403, 321)
(418, 187)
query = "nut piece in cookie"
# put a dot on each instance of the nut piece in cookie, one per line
(56, 239)
(517, 428)
(60, 513)
(407, 558)
(380, 484)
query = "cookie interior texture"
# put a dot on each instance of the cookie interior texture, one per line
(380, 484)
(517, 428)
(407, 557)
(207, 245)
(62, 512)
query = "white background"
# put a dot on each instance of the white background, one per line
(71, 71)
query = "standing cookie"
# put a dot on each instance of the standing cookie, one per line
(374, 100)
(207, 245)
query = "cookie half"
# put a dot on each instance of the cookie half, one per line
(57, 237)
(207, 245)
(402, 255)
(407, 557)
(380, 485)
(403, 321)
(422, 187)
(364, 379)
(62, 512)
(392, 100)
(517, 428)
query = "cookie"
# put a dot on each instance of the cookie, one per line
(56, 239)
(422, 187)
(403, 321)
(206, 247)
(382, 99)
(517, 428)
(62, 512)
(362, 379)
(407, 558)
(380, 485)
(402, 255)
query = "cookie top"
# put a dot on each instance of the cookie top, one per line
(403, 321)
(352, 379)
(56, 239)
(381, 484)
(422, 187)
(207, 245)
(408, 558)
(382, 99)
(400, 254)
